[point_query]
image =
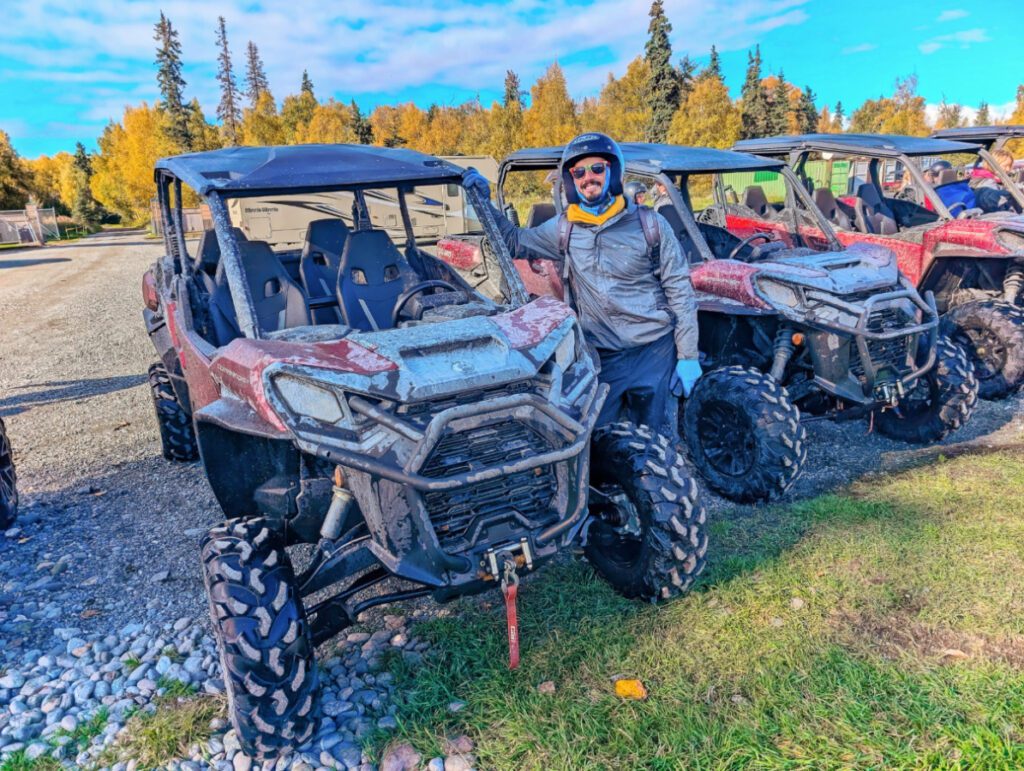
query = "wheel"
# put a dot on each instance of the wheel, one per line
(8, 481)
(941, 401)
(263, 637)
(648, 536)
(744, 434)
(177, 434)
(992, 333)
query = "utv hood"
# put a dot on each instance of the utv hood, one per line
(427, 361)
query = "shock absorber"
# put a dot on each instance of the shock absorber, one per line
(1013, 283)
(784, 347)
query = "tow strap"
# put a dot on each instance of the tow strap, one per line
(510, 589)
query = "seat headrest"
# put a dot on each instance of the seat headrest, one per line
(754, 198)
(824, 200)
(539, 214)
(946, 176)
(869, 195)
(327, 235)
(208, 249)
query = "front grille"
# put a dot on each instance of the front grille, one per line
(885, 353)
(528, 492)
(422, 412)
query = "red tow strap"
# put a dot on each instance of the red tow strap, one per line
(510, 589)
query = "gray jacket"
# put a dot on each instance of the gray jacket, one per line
(620, 301)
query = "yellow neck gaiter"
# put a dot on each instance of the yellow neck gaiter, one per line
(576, 214)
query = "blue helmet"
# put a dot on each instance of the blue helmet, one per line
(586, 145)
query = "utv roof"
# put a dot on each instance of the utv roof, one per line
(980, 134)
(882, 145)
(305, 167)
(669, 158)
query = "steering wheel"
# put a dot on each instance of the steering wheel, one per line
(420, 288)
(747, 241)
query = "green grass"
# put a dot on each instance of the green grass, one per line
(175, 688)
(880, 627)
(154, 738)
(80, 738)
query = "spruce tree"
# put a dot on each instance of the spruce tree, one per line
(984, 117)
(685, 75)
(714, 68)
(807, 113)
(229, 111)
(84, 209)
(778, 109)
(361, 125)
(172, 84)
(255, 77)
(839, 117)
(663, 86)
(754, 105)
(307, 85)
(513, 90)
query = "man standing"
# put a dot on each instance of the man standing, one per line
(627, 280)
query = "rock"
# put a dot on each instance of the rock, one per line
(739, 700)
(182, 624)
(162, 665)
(348, 754)
(458, 745)
(68, 723)
(35, 750)
(459, 763)
(400, 757)
(387, 723)
(12, 680)
(75, 644)
(436, 764)
(399, 640)
(160, 577)
(357, 637)
(796, 603)
(547, 687)
(83, 691)
(241, 762)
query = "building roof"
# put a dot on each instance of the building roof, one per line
(882, 145)
(655, 157)
(305, 167)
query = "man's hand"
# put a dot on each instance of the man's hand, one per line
(686, 374)
(474, 180)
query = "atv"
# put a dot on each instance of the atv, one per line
(8, 481)
(964, 245)
(357, 395)
(793, 326)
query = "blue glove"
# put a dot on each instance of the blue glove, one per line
(474, 180)
(686, 374)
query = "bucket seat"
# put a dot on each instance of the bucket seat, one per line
(371, 277)
(320, 263)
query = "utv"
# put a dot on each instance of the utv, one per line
(791, 323)
(992, 138)
(356, 394)
(8, 480)
(965, 246)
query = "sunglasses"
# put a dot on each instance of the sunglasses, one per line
(579, 172)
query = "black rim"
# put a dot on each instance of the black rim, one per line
(920, 398)
(619, 548)
(987, 351)
(727, 438)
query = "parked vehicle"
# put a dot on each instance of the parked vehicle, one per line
(359, 396)
(972, 260)
(793, 326)
(992, 138)
(8, 481)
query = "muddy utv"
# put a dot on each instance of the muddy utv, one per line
(8, 481)
(356, 394)
(963, 243)
(992, 138)
(793, 326)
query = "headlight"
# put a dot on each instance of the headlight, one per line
(311, 401)
(777, 293)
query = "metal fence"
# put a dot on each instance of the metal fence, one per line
(30, 225)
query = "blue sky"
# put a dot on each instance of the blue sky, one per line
(67, 67)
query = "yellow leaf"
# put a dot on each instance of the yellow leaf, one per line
(630, 689)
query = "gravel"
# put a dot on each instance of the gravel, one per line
(100, 574)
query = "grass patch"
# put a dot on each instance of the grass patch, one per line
(19, 762)
(175, 688)
(154, 738)
(80, 738)
(877, 627)
(131, 663)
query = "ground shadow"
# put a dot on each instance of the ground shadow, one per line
(65, 390)
(4, 263)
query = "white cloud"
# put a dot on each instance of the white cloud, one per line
(859, 49)
(997, 111)
(964, 38)
(352, 48)
(953, 15)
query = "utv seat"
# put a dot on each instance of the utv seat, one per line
(754, 198)
(872, 214)
(372, 276)
(946, 176)
(827, 204)
(540, 213)
(279, 302)
(320, 262)
(208, 256)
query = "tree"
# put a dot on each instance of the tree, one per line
(714, 68)
(950, 115)
(256, 83)
(306, 87)
(228, 111)
(708, 118)
(261, 125)
(1018, 112)
(384, 122)
(778, 106)
(297, 109)
(623, 109)
(329, 123)
(51, 180)
(685, 73)
(840, 119)
(172, 84)
(902, 113)
(551, 119)
(364, 132)
(984, 117)
(807, 112)
(513, 91)
(663, 80)
(84, 209)
(15, 180)
(754, 104)
(824, 124)
(205, 135)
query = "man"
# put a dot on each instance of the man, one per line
(636, 192)
(630, 288)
